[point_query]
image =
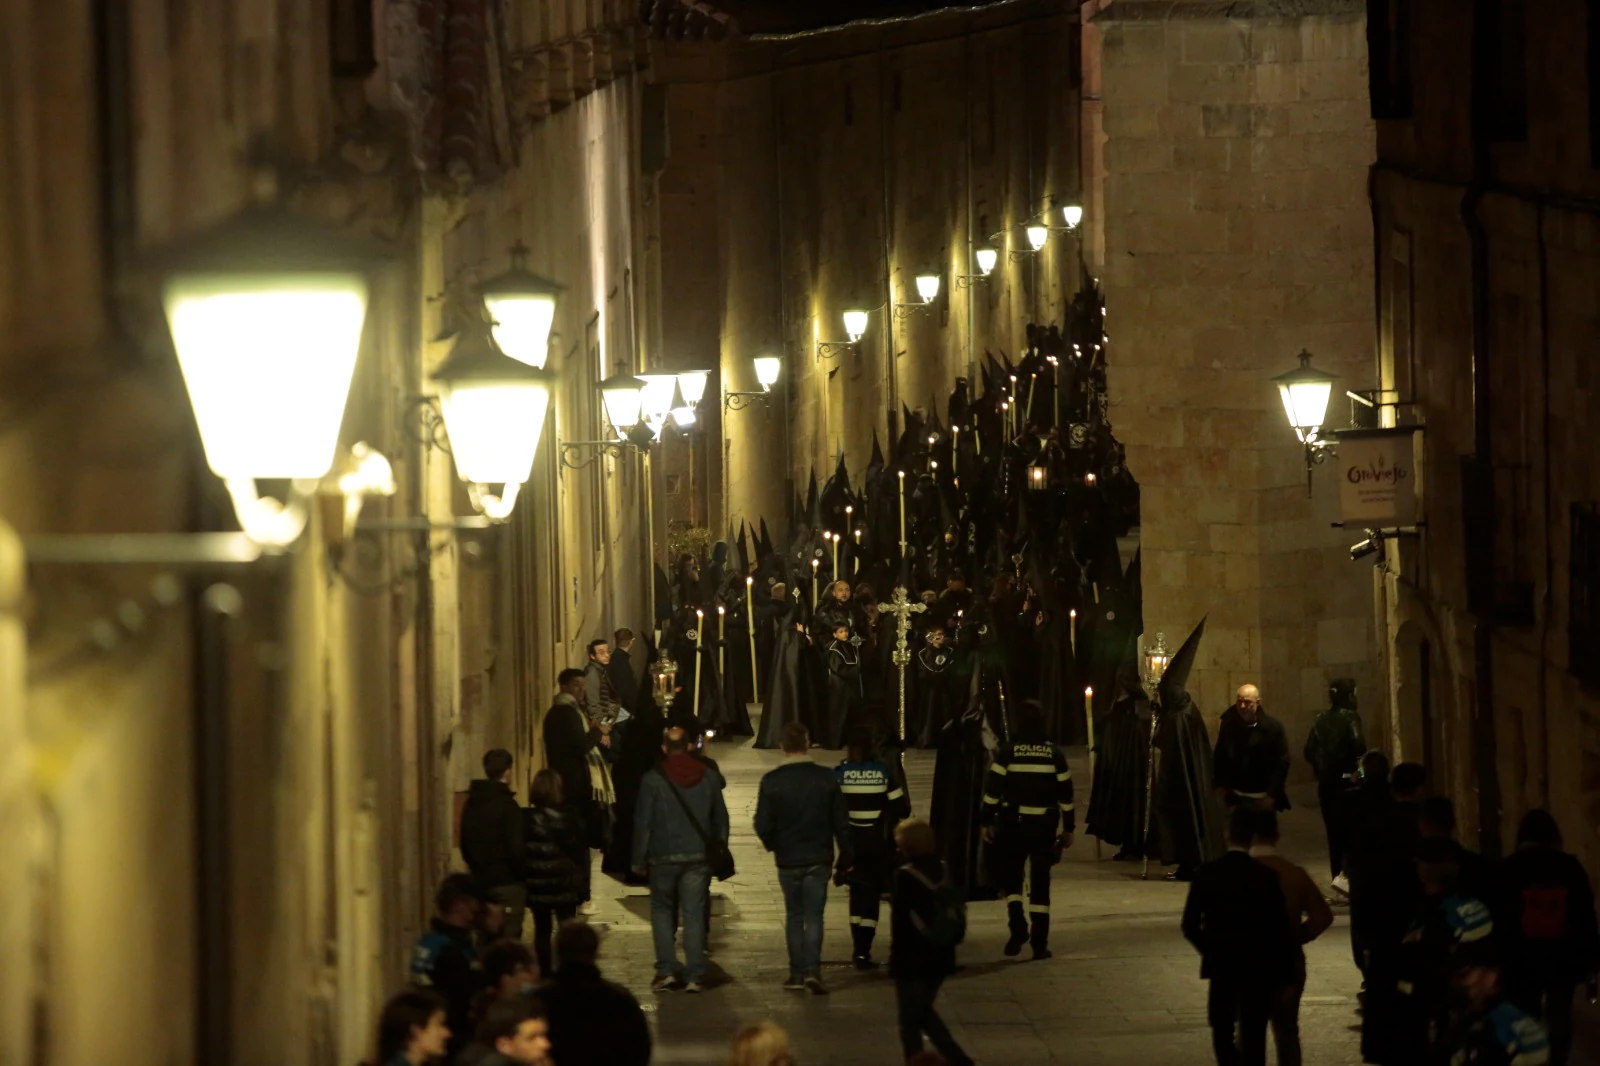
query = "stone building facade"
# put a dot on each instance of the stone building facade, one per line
(1233, 173)
(817, 171)
(1486, 201)
(227, 792)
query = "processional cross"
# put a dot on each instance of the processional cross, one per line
(902, 608)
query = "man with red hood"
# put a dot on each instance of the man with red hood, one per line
(679, 811)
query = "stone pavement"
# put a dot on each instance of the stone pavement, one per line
(1123, 988)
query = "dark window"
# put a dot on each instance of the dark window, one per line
(350, 38)
(1583, 622)
(1594, 81)
(1389, 57)
(1511, 71)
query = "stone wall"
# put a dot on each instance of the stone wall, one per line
(823, 171)
(356, 685)
(1237, 233)
(1542, 296)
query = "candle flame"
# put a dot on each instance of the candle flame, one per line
(720, 608)
(749, 581)
(698, 613)
(1089, 691)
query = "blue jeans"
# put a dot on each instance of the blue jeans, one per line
(805, 893)
(679, 888)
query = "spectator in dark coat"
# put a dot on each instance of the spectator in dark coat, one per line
(1436, 820)
(593, 1022)
(569, 738)
(1235, 918)
(1251, 760)
(554, 852)
(491, 838)
(1545, 923)
(624, 681)
(918, 963)
(1334, 748)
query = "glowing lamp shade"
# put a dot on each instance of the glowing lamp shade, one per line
(1305, 393)
(267, 359)
(266, 311)
(683, 417)
(1072, 215)
(494, 409)
(928, 287)
(855, 324)
(1157, 658)
(987, 257)
(692, 383)
(623, 395)
(656, 399)
(522, 306)
(1037, 235)
(768, 367)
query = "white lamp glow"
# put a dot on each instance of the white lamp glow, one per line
(987, 257)
(855, 324)
(1037, 236)
(494, 410)
(692, 383)
(768, 367)
(623, 395)
(656, 400)
(927, 287)
(266, 312)
(522, 306)
(1305, 393)
(1072, 214)
(683, 417)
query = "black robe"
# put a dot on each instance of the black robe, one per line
(1122, 760)
(790, 692)
(965, 746)
(845, 705)
(1188, 816)
(935, 698)
(640, 751)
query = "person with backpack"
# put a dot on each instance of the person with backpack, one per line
(928, 919)
(1027, 814)
(1334, 748)
(1544, 917)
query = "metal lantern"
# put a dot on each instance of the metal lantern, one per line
(664, 673)
(1305, 393)
(1038, 478)
(1156, 659)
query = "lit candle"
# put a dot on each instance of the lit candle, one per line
(699, 634)
(1033, 379)
(1072, 617)
(834, 537)
(955, 449)
(750, 624)
(902, 474)
(722, 654)
(1090, 480)
(1088, 718)
(815, 603)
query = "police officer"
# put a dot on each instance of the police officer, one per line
(1028, 818)
(876, 802)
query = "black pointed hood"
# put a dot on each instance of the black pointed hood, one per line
(1175, 682)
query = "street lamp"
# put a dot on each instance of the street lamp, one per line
(266, 314)
(928, 287)
(1305, 393)
(987, 256)
(522, 306)
(1072, 215)
(623, 395)
(1038, 234)
(855, 325)
(656, 399)
(494, 408)
(692, 383)
(768, 368)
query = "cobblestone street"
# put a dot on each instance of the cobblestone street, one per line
(1123, 987)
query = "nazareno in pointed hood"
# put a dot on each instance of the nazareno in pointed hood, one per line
(1174, 687)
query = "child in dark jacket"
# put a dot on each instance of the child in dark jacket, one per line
(554, 849)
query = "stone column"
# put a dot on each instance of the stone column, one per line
(1237, 233)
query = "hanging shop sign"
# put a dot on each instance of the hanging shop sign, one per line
(1378, 477)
